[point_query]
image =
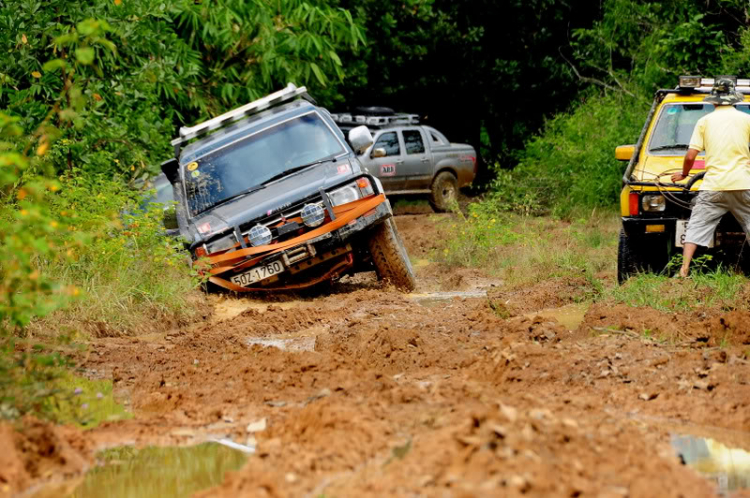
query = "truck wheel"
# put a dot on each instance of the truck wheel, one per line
(444, 191)
(389, 256)
(625, 265)
(630, 258)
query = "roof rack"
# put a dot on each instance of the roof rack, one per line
(346, 118)
(291, 92)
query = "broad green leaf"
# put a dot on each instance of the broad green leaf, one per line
(54, 64)
(85, 55)
(335, 57)
(318, 73)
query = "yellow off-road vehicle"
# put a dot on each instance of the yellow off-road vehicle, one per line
(654, 210)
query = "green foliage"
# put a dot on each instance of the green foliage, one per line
(57, 233)
(572, 163)
(131, 70)
(132, 273)
(450, 61)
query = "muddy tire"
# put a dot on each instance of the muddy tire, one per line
(625, 264)
(444, 191)
(631, 258)
(389, 256)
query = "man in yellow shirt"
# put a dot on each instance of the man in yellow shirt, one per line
(724, 134)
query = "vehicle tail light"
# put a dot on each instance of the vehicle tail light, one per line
(634, 203)
(201, 252)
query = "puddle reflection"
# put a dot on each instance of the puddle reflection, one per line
(159, 472)
(728, 467)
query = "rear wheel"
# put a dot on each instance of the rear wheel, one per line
(444, 191)
(389, 256)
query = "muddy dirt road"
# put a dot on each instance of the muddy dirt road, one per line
(464, 388)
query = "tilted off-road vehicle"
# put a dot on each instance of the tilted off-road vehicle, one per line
(273, 196)
(654, 210)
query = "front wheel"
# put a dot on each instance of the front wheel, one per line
(444, 191)
(389, 256)
(634, 256)
(626, 265)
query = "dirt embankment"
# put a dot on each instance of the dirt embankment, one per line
(370, 392)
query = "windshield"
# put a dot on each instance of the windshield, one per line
(249, 162)
(675, 126)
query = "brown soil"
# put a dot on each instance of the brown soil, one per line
(387, 394)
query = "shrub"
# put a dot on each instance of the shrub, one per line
(571, 163)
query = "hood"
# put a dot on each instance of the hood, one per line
(275, 196)
(647, 170)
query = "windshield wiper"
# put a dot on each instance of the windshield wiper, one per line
(295, 169)
(238, 195)
(668, 147)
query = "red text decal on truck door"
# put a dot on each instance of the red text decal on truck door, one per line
(387, 170)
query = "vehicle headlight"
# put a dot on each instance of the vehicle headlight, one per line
(344, 195)
(313, 215)
(260, 235)
(653, 203)
(222, 244)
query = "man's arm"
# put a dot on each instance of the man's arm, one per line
(687, 165)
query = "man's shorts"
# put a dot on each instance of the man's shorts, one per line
(710, 206)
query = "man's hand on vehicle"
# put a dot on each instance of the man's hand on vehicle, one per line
(687, 165)
(677, 177)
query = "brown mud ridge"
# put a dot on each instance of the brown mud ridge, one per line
(370, 392)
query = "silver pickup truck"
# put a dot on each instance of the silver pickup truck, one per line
(409, 158)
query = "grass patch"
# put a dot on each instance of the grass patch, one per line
(718, 288)
(525, 250)
(130, 276)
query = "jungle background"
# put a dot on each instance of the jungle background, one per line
(92, 92)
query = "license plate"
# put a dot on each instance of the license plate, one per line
(680, 230)
(258, 274)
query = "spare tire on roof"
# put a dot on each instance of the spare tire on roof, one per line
(374, 111)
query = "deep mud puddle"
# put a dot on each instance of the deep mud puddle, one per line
(728, 467)
(160, 472)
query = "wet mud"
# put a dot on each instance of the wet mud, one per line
(460, 389)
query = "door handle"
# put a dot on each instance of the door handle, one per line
(425, 159)
(400, 162)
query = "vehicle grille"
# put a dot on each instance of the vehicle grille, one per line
(275, 218)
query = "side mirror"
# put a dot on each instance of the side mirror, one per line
(170, 218)
(171, 168)
(379, 152)
(624, 152)
(360, 139)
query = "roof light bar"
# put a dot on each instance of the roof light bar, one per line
(408, 119)
(687, 82)
(291, 92)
